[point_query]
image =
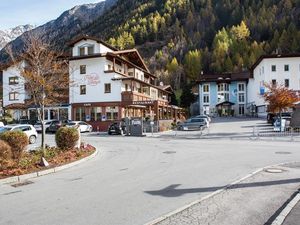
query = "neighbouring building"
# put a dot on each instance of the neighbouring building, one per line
(108, 85)
(276, 69)
(242, 93)
(223, 94)
(15, 98)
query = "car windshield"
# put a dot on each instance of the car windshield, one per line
(71, 124)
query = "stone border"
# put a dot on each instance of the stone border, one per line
(173, 213)
(286, 211)
(20, 178)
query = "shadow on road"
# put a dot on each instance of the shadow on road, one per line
(172, 191)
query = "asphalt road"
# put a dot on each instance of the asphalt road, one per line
(132, 180)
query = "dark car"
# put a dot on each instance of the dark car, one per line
(116, 128)
(56, 124)
(193, 124)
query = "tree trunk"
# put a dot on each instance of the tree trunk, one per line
(43, 144)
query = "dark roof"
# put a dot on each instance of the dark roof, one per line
(273, 56)
(225, 103)
(133, 55)
(224, 77)
(86, 37)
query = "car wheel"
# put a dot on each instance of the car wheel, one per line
(32, 139)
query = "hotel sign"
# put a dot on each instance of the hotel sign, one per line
(143, 102)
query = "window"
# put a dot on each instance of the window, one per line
(273, 68)
(81, 51)
(274, 82)
(109, 67)
(126, 87)
(263, 70)
(83, 69)
(206, 99)
(206, 88)
(82, 89)
(287, 83)
(112, 113)
(80, 114)
(286, 68)
(241, 109)
(91, 50)
(96, 114)
(107, 88)
(241, 87)
(13, 80)
(241, 97)
(13, 96)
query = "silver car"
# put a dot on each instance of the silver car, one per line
(193, 124)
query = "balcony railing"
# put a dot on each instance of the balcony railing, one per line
(128, 96)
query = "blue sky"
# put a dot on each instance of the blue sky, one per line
(34, 12)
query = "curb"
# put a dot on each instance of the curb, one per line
(20, 178)
(173, 213)
(287, 209)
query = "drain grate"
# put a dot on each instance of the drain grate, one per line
(169, 152)
(27, 182)
(283, 153)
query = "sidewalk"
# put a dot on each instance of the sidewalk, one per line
(252, 201)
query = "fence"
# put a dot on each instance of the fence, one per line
(290, 133)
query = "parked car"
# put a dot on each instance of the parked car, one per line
(84, 127)
(38, 126)
(193, 124)
(28, 129)
(203, 116)
(116, 128)
(56, 124)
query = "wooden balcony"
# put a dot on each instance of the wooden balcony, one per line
(129, 96)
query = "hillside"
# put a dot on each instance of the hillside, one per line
(179, 38)
(219, 35)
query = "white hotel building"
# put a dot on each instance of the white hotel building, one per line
(276, 69)
(108, 85)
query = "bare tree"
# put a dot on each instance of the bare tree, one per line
(45, 75)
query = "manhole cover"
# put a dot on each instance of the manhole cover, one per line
(283, 153)
(22, 183)
(169, 152)
(274, 170)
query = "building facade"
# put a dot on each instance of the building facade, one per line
(276, 69)
(107, 85)
(223, 94)
(242, 93)
(16, 99)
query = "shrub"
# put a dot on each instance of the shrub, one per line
(18, 141)
(66, 138)
(5, 151)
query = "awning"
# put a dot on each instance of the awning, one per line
(16, 106)
(136, 106)
(226, 103)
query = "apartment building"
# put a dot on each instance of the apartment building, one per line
(223, 94)
(107, 85)
(242, 93)
(16, 99)
(275, 69)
